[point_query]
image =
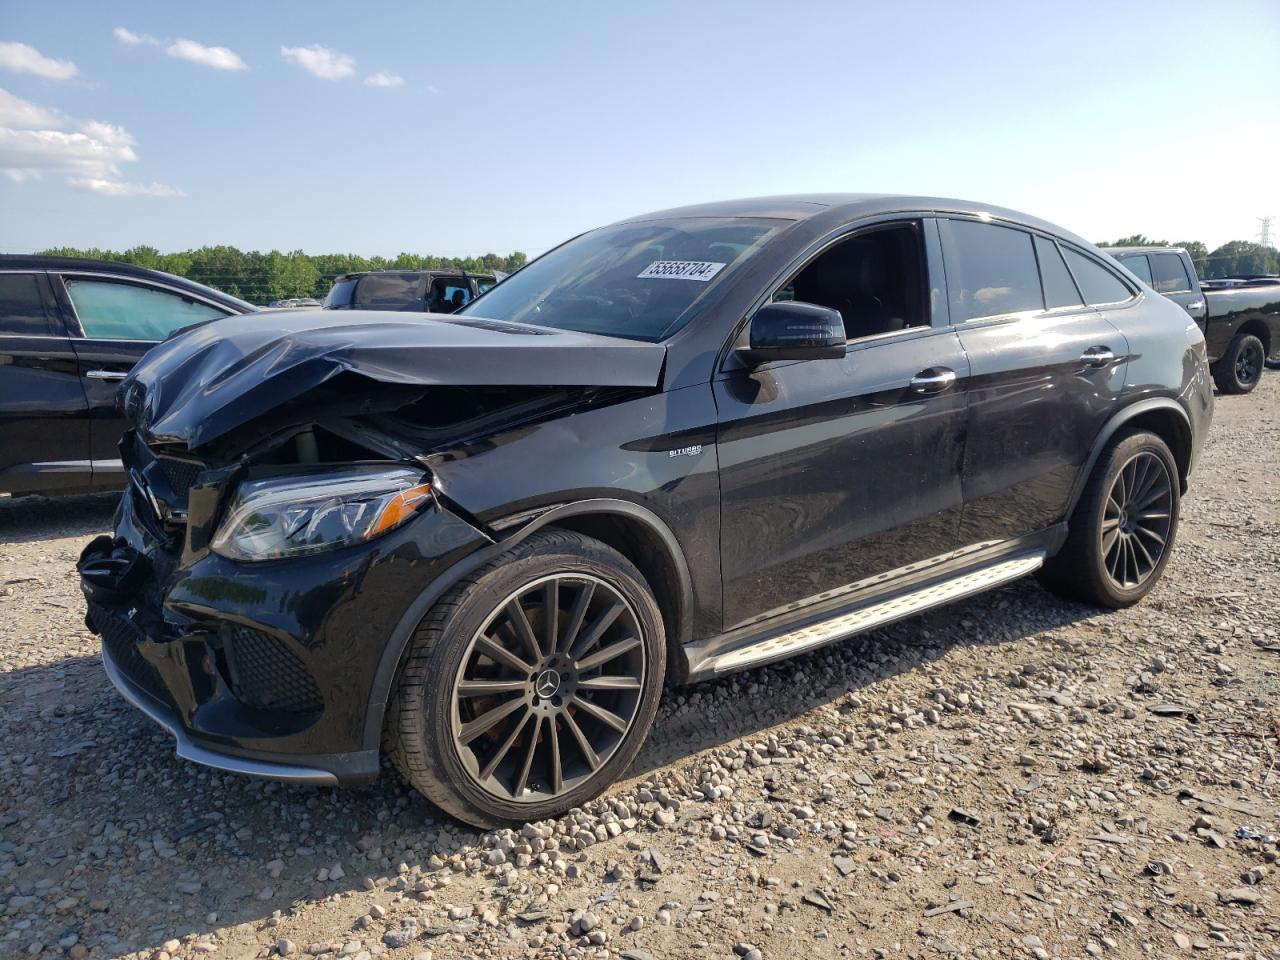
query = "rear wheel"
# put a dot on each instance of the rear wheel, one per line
(1240, 368)
(531, 686)
(1123, 529)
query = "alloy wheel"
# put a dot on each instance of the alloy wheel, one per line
(1249, 362)
(548, 688)
(1136, 520)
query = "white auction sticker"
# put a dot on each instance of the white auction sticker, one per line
(680, 270)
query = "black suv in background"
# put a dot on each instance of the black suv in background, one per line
(690, 443)
(70, 330)
(431, 291)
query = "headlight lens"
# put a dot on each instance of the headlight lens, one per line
(299, 515)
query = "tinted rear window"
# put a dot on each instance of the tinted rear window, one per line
(1059, 289)
(1171, 274)
(21, 308)
(991, 270)
(1099, 284)
(388, 291)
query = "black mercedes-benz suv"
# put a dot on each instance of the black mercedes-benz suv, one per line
(688, 443)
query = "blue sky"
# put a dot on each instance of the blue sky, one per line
(513, 126)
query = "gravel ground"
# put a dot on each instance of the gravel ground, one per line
(1011, 776)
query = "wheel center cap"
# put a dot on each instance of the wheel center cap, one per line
(547, 684)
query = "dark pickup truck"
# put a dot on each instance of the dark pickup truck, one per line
(1240, 317)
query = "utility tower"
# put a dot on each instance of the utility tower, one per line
(1264, 233)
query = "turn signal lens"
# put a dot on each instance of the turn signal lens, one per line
(399, 508)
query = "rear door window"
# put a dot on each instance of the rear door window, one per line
(1139, 267)
(113, 310)
(21, 306)
(991, 270)
(1171, 274)
(450, 294)
(1098, 284)
(1059, 289)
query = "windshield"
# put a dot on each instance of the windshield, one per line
(643, 281)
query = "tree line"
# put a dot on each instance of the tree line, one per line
(263, 277)
(1233, 259)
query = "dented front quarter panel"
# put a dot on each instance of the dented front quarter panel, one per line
(658, 452)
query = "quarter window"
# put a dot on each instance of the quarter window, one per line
(1139, 267)
(1171, 274)
(21, 307)
(1059, 289)
(109, 310)
(1098, 284)
(991, 270)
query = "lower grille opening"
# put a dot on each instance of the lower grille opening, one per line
(267, 675)
(121, 641)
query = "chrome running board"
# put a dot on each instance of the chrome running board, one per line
(870, 616)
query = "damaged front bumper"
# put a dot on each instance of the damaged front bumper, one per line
(276, 669)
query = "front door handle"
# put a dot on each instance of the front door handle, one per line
(933, 380)
(1098, 357)
(105, 374)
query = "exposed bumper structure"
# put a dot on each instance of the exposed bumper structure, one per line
(278, 669)
(188, 749)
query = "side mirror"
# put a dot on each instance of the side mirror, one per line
(790, 330)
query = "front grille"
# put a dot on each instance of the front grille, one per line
(120, 637)
(181, 474)
(266, 674)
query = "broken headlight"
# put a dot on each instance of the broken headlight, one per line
(304, 514)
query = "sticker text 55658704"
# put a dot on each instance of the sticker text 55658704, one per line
(680, 270)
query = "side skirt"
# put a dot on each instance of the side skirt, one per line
(921, 587)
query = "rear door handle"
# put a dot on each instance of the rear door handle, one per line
(105, 374)
(1098, 357)
(933, 380)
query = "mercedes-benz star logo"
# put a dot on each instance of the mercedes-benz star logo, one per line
(547, 684)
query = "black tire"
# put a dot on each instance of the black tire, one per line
(1240, 368)
(1273, 361)
(1083, 569)
(426, 727)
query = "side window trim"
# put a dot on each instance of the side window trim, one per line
(77, 328)
(1133, 294)
(1083, 305)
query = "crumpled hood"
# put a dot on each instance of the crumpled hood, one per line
(210, 379)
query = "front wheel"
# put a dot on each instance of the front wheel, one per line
(1240, 368)
(1122, 531)
(529, 688)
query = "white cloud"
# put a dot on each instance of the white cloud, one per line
(120, 188)
(220, 58)
(321, 61)
(21, 58)
(20, 114)
(384, 79)
(128, 37)
(36, 140)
